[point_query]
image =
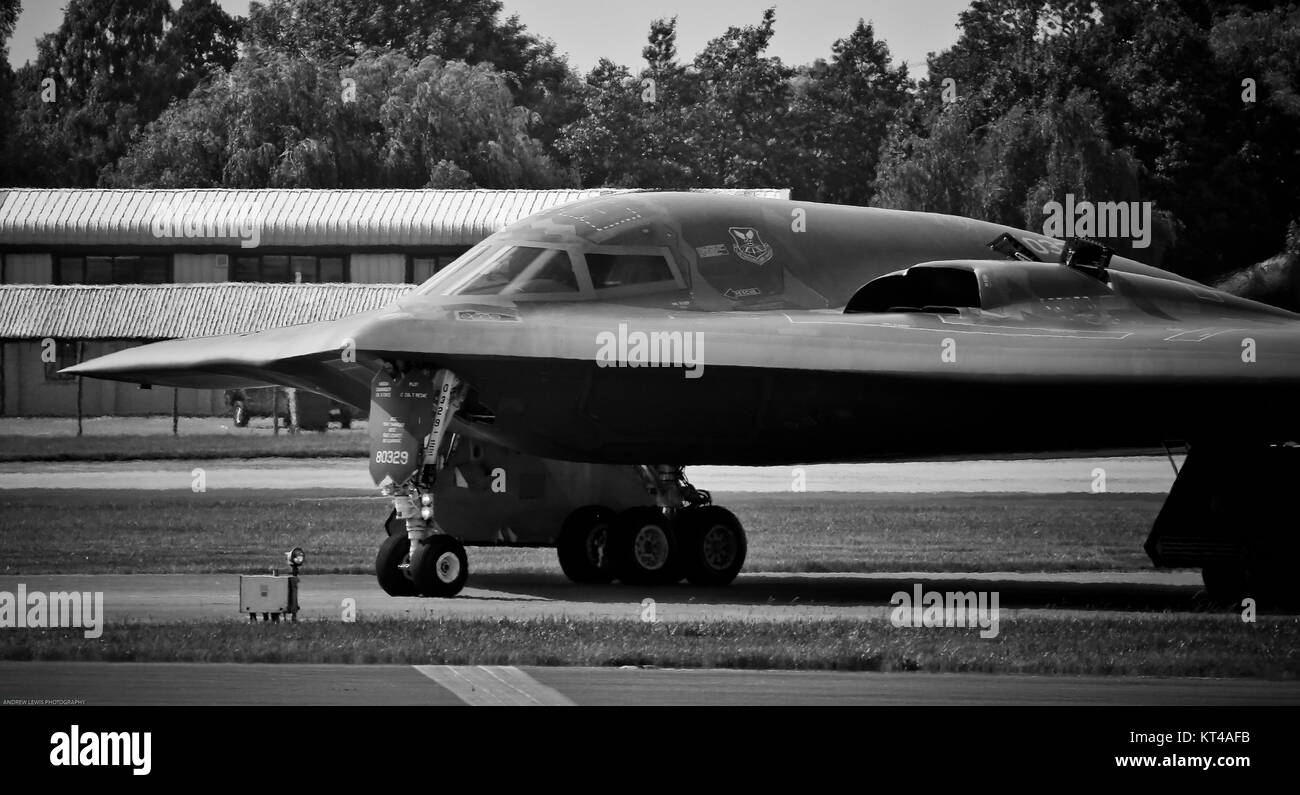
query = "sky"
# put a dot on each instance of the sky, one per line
(588, 30)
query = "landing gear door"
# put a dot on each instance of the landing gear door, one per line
(401, 412)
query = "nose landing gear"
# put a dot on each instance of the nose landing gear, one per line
(391, 565)
(439, 566)
(416, 558)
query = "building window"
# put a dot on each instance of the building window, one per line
(127, 269)
(65, 355)
(289, 268)
(420, 267)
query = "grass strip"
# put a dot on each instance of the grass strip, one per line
(138, 532)
(1146, 645)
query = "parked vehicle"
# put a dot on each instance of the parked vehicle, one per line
(314, 411)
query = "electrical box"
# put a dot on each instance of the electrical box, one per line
(270, 595)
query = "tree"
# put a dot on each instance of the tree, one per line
(742, 103)
(932, 171)
(339, 32)
(839, 119)
(717, 123)
(8, 18)
(1015, 52)
(1165, 87)
(109, 69)
(1006, 171)
(203, 40)
(286, 121)
(636, 130)
(1258, 54)
(611, 144)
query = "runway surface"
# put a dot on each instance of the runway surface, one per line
(1147, 474)
(753, 596)
(756, 596)
(93, 684)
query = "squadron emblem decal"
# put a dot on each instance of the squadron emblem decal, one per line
(749, 245)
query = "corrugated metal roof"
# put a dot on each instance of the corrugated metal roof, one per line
(168, 311)
(279, 217)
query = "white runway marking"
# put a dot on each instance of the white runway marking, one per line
(494, 686)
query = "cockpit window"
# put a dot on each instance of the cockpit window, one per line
(620, 270)
(457, 268)
(543, 271)
(523, 269)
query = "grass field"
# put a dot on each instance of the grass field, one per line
(1143, 645)
(181, 532)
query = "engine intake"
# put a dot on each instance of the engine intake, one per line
(930, 287)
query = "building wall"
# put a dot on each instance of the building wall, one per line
(28, 269)
(28, 393)
(200, 268)
(378, 268)
(206, 268)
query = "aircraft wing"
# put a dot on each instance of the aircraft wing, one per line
(320, 357)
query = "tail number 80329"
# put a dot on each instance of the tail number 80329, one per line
(392, 456)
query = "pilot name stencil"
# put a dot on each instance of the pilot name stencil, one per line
(683, 349)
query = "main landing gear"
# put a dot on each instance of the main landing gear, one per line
(682, 536)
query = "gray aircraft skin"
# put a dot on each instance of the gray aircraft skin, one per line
(1002, 356)
(670, 329)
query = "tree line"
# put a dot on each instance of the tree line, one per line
(1190, 105)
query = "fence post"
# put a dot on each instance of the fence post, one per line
(293, 410)
(79, 354)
